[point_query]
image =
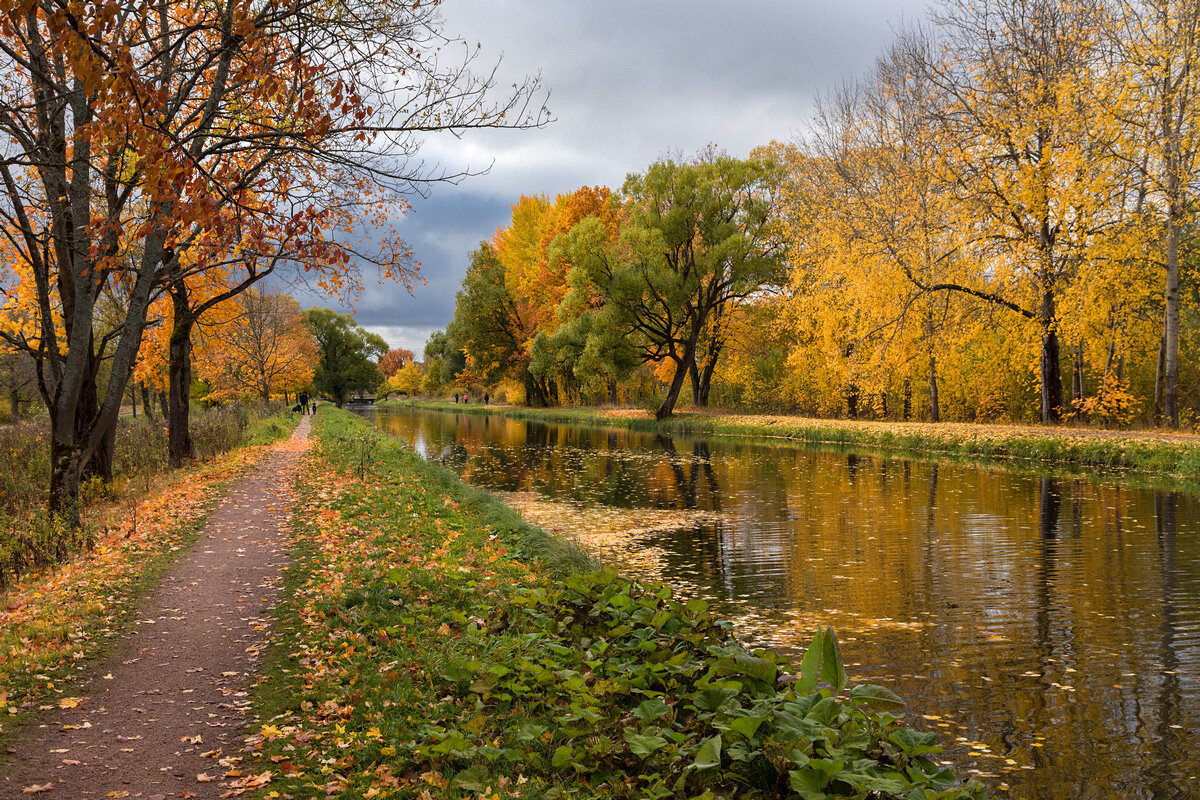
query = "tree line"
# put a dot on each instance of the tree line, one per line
(997, 222)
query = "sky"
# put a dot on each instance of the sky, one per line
(630, 81)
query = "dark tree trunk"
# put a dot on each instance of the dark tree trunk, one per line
(133, 398)
(164, 404)
(852, 400)
(180, 448)
(147, 406)
(935, 412)
(668, 404)
(100, 464)
(14, 400)
(612, 392)
(1078, 389)
(706, 379)
(1052, 392)
(907, 400)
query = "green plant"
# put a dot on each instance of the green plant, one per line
(619, 686)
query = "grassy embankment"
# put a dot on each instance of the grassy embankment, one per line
(55, 621)
(1150, 452)
(432, 644)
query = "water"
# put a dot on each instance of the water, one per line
(1049, 629)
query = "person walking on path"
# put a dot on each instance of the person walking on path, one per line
(171, 700)
(304, 402)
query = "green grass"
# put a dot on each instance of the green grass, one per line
(431, 644)
(1062, 447)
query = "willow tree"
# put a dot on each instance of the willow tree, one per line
(696, 238)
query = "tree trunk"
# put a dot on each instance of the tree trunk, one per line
(612, 392)
(14, 399)
(694, 374)
(164, 405)
(179, 378)
(672, 396)
(147, 406)
(1159, 376)
(100, 463)
(852, 400)
(1171, 326)
(934, 411)
(907, 399)
(1078, 390)
(66, 468)
(1052, 393)
(706, 379)
(133, 398)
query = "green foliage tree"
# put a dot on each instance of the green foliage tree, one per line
(698, 239)
(347, 354)
(443, 346)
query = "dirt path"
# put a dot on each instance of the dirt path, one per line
(169, 705)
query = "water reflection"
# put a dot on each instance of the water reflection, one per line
(1048, 628)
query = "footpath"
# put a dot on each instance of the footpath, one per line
(162, 718)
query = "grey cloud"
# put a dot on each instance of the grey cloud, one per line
(631, 80)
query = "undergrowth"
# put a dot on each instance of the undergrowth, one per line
(431, 644)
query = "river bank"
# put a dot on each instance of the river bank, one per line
(1159, 453)
(430, 642)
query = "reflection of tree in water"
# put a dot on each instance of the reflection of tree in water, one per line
(1167, 742)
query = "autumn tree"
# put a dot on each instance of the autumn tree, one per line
(1024, 138)
(393, 360)
(258, 345)
(347, 354)
(154, 145)
(697, 238)
(1156, 46)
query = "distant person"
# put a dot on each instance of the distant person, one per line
(486, 397)
(456, 398)
(304, 402)
(466, 399)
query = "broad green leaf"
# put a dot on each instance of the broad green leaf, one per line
(832, 671)
(750, 666)
(810, 665)
(564, 756)
(643, 746)
(915, 742)
(876, 696)
(651, 709)
(871, 783)
(709, 754)
(746, 726)
(473, 779)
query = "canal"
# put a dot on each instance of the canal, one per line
(1048, 628)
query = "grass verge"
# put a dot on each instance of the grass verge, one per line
(1153, 453)
(55, 622)
(431, 644)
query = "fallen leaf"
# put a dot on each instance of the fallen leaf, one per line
(69, 702)
(70, 762)
(37, 787)
(204, 777)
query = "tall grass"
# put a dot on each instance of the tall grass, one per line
(30, 538)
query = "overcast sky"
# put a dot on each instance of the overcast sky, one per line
(630, 81)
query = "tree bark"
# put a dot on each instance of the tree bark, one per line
(147, 406)
(612, 392)
(1078, 390)
(1159, 377)
(668, 404)
(934, 410)
(14, 399)
(180, 448)
(907, 399)
(1171, 325)
(1052, 393)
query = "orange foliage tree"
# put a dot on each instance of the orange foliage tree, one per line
(154, 146)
